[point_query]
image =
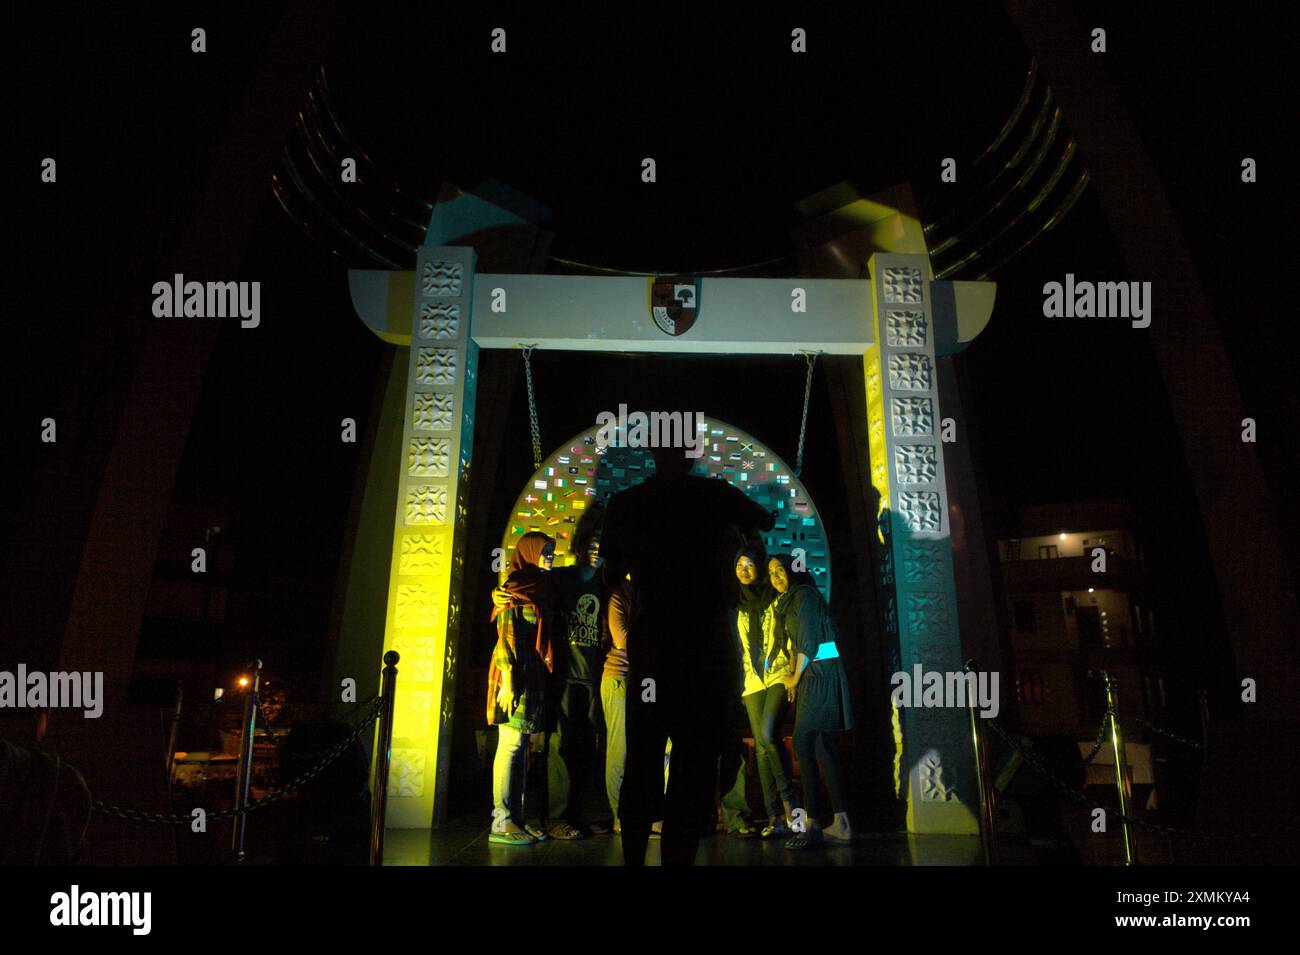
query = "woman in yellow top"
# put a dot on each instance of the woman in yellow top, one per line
(766, 663)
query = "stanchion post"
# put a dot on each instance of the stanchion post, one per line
(171, 733)
(988, 813)
(1122, 781)
(244, 775)
(383, 751)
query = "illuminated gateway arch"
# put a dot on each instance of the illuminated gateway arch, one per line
(897, 317)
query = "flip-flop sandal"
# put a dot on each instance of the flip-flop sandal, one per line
(512, 839)
(805, 840)
(773, 832)
(567, 831)
(538, 835)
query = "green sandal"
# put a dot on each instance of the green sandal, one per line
(512, 839)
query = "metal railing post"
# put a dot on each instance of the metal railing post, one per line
(171, 734)
(244, 776)
(988, 814)
(383, 751)
(1122, 781)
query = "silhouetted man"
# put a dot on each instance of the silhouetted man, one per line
(676, 535)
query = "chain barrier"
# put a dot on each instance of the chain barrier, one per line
(273, 795)
(811, 359)
(1079, 797)
(1101, 736)
(1173, 736)
(532, 407)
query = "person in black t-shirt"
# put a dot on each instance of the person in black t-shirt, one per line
(574, 723)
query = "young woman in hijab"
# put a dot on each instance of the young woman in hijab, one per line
(766, 664)
(823, 708)
(523, 657)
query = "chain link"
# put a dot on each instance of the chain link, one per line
(811, 359)
(532, 407)
(1173, 736)
(273, 795)
(1101, 736)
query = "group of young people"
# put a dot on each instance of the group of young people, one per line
(561, 668)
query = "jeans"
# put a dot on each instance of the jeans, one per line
(509, 771)
(571, 752)
(765, 709)
(731, 780)
(613, 700)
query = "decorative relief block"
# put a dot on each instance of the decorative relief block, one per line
(921, 511)
(873, 378)
(887, 569)
(435, 366)
(442, 279)
(878, 474)
(413, 708)
(440, 321)
(933, 787)
(421, 554)
(916, 463)
(927, 613)
(426, 504)
(891, 618)
(406, 772)
(923, 562)
(449, 663)
(429, 457)
(910, 371)
(906, 329)
(415, 606)
(433, 411)
(912, 416)
(903, 284)
(419, 658)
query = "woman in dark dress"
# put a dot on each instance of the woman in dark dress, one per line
(820, 689)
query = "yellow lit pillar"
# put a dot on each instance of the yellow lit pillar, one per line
(423, 617)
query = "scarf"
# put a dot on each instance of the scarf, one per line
(754, 599)
(796, 578)
(529, 585)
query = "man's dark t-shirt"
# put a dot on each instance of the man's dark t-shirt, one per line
(678, 537)
(580, 607)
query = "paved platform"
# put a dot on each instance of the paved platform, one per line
(465, 842)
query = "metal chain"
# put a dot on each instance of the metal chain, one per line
(273, 795)
(811, 359)
(1081, 798)
(1101, 736)
(1174, 736)
(532, 407)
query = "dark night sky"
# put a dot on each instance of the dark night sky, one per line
(1058, 411)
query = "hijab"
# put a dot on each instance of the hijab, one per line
(754, 599)
(529, 584)
(797, 578)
